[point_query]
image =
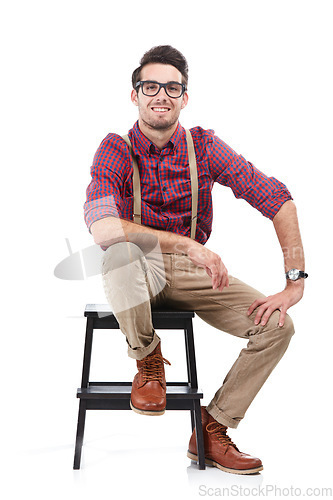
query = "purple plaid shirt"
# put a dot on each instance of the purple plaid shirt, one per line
(166, 182)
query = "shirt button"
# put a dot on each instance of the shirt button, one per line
(164, 188)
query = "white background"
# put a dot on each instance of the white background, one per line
(261, 77)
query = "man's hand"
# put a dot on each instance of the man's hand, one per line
(282, 301)
(212, 263)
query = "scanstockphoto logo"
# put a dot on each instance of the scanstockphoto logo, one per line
(80, 265)
(119, 263)
(88, 262)
(268, 490)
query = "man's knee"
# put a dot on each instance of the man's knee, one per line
(275, 335)
(282, 334)
(119, 255)
(288, 326)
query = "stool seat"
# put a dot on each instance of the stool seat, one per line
(100, 309)
(183, 395)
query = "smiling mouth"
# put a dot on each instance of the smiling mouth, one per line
(160, 109)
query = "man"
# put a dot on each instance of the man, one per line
(155, 260)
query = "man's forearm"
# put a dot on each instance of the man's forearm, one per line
(287, 230)
(110, 230)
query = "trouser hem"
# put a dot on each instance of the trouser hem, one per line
(141, 352)
(221, 417)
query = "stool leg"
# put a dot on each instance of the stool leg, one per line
(79, 434)
(199, 434)
(84, 384)
(192, 420)
(190, 355)
(87, 352)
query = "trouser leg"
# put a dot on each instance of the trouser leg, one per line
(227, 311)
(253, 366)
(131, 282)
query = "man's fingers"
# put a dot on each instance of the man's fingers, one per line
(225, 279)
(264, 312)
(267, 314)
(255, 304)
(282, 317)
(224, 282)
(220, 279)
(215, 277)
(266, 306)
(259, 314)
(215, 274)
(218, 272)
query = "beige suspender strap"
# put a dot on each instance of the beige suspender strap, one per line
(194, 182)
(136, 184)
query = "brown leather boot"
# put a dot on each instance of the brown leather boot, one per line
(148, 395)
(220, 451)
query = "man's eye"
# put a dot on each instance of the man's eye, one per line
(151, 86)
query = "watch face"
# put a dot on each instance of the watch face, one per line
(293, 274)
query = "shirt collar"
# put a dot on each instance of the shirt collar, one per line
(142, 145)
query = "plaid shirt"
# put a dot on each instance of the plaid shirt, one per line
(166, 182)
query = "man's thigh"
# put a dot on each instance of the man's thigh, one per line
(191, 288)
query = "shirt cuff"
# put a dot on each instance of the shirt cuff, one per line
(274, 206)
(99, 209)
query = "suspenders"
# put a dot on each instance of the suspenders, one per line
(136, 184)
(194, 183)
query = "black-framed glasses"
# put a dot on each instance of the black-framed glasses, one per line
(151, 88)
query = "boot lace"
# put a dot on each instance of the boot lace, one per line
(153, 368)
(220, 431)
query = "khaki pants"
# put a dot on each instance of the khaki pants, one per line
(134, 283)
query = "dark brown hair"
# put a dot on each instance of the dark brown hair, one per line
(162, 54)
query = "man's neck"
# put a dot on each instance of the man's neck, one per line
(158, 137)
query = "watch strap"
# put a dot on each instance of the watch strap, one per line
(302, 274)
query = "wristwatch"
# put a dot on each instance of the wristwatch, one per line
(295, 274)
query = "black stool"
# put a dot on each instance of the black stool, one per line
(116, 395)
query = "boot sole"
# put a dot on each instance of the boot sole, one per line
(147, 412)
(225, 469)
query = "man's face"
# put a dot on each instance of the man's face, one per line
(159, 112)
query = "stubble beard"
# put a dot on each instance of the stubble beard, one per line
(159, 124)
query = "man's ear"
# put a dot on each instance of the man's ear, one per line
(185, 100)
(134, 97)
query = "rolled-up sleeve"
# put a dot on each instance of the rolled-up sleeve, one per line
(266, 194)
(104, 194)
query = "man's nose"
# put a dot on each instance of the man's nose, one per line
(162, 93)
